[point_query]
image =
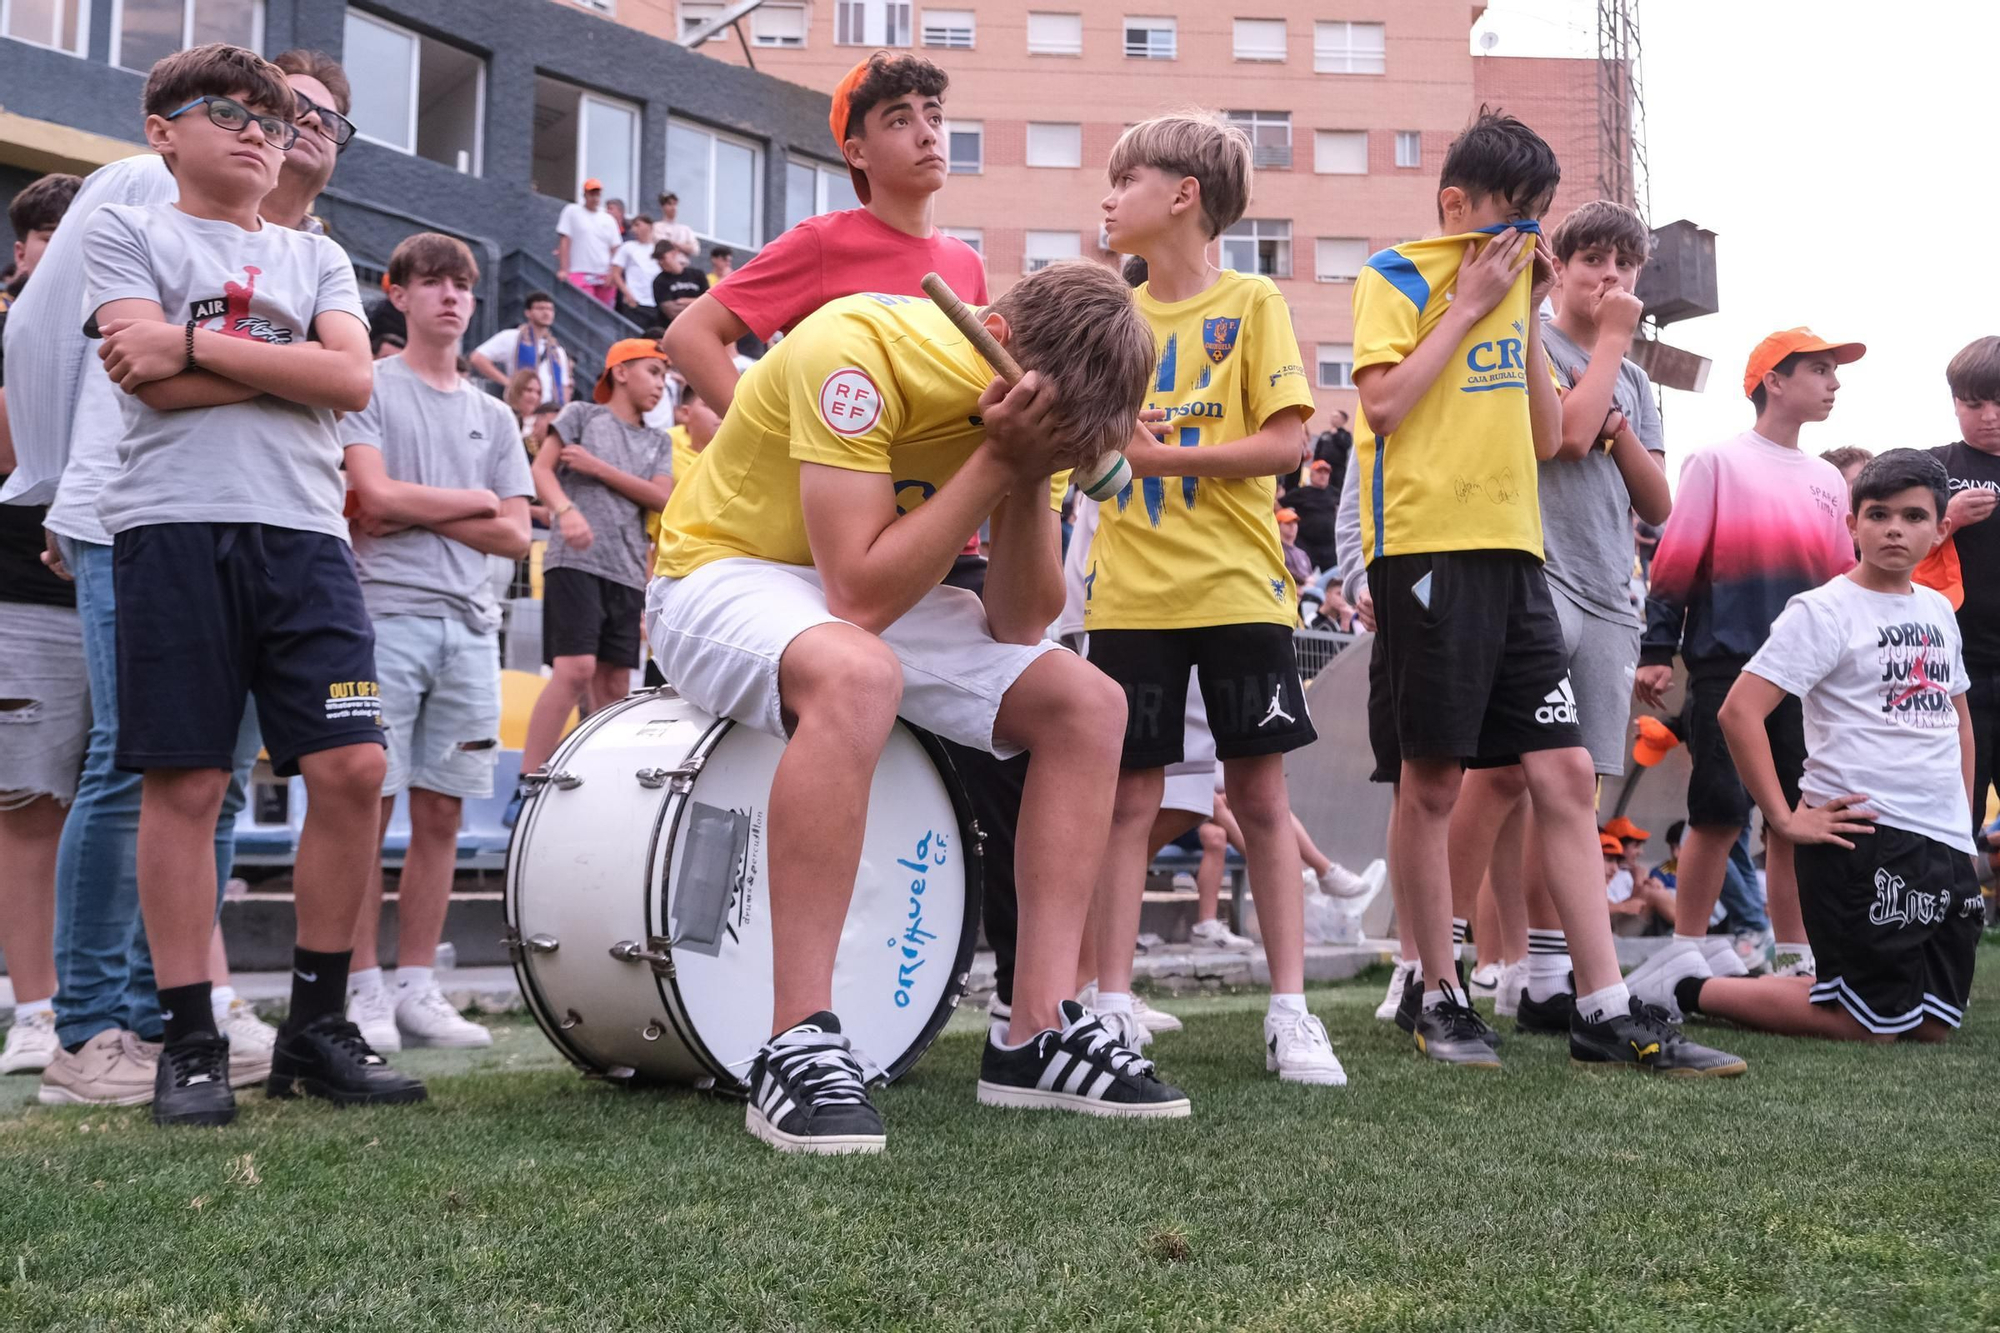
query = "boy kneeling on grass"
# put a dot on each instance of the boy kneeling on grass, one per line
(1884, 859)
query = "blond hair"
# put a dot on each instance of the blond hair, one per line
(1193, 143)
(1074, 323)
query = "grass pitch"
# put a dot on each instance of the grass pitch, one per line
(1831, 1188)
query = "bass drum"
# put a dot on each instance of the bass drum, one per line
(638, 898)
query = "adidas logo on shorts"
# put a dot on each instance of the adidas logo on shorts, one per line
(1558, 706)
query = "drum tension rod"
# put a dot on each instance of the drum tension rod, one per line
(682, 777)
(659, 956)
(543, 777)
(517, 947)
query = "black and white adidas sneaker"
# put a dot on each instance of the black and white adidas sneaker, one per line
(807, 1093)
(1081, 1068)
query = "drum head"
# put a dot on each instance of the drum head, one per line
(907, 934)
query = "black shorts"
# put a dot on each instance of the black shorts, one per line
(1477, 668)
(587, 615)
(1716, 795)
(1382, 717)
(209, 613)
(1249, 684)
(1894, 925)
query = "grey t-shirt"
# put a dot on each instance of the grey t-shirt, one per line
(460, 440)
(619, 549)
(1586, 510)
(262, 461)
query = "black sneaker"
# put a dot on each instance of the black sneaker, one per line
(1646, 1040)
(1547, 1018)
(191, 1083)
(808, 1093)
(1452, 1032)
(329, 1058)
(1413, 1002)
(1081, 1068)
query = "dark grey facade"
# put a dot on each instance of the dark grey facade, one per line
(380, 195)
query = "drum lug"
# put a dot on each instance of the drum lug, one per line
(543, 777)
(978, 833)
(682, 777)
(517, 947)
(657, 957)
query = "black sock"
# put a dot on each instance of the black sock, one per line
(319, 985)
(1687, 994)
(185, 1011)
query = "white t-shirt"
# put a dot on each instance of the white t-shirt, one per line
(1877, 673)
(550, 362)
(593, 235)
(636, 259)
(677, 234)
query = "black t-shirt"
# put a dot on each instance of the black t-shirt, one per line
(1319, 510)
(1978, 554)
(23, 576)
(676, 287)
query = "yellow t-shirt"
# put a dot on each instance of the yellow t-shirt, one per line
(869, 383)
(1178, 552)
(684, 453)
(1460, 474)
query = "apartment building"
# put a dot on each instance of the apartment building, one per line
(1349, 103)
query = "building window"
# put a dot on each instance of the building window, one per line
(972, 236)
(63, 25)
(778, 25)
(966, 146)
(1151, 39)
(812, 188)
(1348, 48)
(145, 31)
(1270, 136)
(953, 28)
(1259, 245)
(718, 177)
(871, 23)
(1054, 145)
(1046, 247)
(1340, 152)
(580, 135)
(695, 13)
(1409, 148)
(1338, 258)
(1335, 365)
(1055, 34)
(421, 95)
(1260, 39)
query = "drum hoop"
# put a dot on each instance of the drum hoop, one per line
(667, 982)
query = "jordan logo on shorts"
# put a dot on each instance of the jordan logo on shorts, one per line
(1277, 708)
(1558, 706)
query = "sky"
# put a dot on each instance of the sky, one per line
(1841, 152)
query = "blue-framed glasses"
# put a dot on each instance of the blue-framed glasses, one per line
(234, 116)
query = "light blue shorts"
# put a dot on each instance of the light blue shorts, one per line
(440, 684)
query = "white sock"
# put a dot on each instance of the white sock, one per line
(1292, 1005)
(1602, 1004)
(1804, 951)
(1113, 1002)
(219, 999)
(997, 1034)
(1548, 975)
(413, 980)
(363, 979)
(1449, 991)
(29, 1008)
(1695, 940)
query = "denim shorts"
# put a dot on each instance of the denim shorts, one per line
(44, 703)
(440, 704)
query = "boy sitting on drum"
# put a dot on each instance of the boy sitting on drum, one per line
(798, 593)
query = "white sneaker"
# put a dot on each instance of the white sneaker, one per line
(1790, 964)
(1213, 934)
(374, 1013)
(426, 1018)
(1513, 985)
(1154, 1020)
(1297, 1049)
(251, 1041)
(1386, 1011)
(1125, 1029)
(1484, 981)
(1719, 951)
(31, 1043)
(998, 1010)
(1344, 883)
(1653, 980)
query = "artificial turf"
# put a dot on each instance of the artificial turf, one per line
(1833, 1187)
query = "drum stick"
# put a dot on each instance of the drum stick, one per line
(1105, 476)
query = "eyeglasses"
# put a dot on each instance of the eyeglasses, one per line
(331, 123)
(233, 116)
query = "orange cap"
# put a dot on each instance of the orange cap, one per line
(1321, 465)
(1622, 828)
(836, 121)
(592, 184)
(1656, 741)
(1765, 357)
(1611, 845)
(625, 349)
(1288, 516)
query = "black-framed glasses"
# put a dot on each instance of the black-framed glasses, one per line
(331, 123)
(234, 116)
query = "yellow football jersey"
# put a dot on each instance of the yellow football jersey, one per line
(1177, 552)
(870, 383)
(1460, 473)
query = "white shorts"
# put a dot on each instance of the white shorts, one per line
(1191, 782)
(718, 634)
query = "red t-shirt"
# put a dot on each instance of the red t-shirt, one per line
(843, 254)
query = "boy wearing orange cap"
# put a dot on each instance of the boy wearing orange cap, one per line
(1756, 521)
(600, 471)
(586, 237)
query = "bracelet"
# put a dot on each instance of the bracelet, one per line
(564, 510)
(190, 346)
